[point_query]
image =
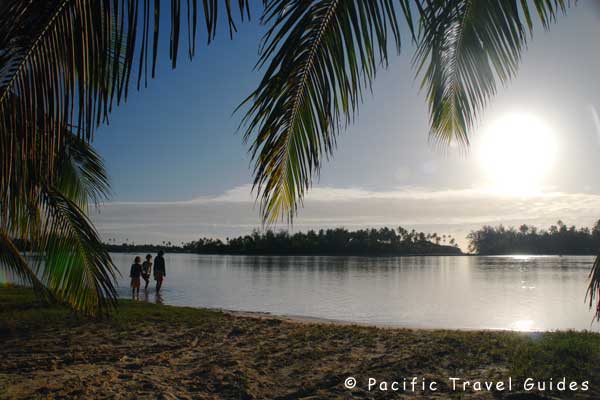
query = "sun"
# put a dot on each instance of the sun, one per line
(517, 152)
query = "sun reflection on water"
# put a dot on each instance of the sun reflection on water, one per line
(524, 325)
(519, 257)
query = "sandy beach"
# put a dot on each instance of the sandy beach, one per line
(153, 351)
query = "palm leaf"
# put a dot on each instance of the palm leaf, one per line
(318, 57)
(593, 292)
(11, 260)
(74, 266)
(77, 267)
(465, 46)
(63, 63)
(82, 176)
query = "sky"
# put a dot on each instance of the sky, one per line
(180, 170)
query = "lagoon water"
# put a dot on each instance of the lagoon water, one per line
(512, 292)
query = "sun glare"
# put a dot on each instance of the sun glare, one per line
(524, 325)
(517, 152)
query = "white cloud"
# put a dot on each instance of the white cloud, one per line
(453, 211)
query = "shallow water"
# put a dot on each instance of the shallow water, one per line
(512, 292)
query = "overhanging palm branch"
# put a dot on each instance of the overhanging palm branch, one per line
(75, 267)
(465, 47)
(319, 56)
(593, 292)
(64, 63)
(13, 261)
(82, 176)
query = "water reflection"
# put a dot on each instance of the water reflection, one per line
(525, 325)
(158, 299)
(514, 292)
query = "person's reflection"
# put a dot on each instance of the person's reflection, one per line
(146, 297)
(158, 298)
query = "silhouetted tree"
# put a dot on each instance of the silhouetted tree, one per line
(558, 239)
(337, 241)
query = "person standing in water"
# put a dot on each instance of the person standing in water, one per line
(159, 270)
(146, 269)
(134, 274)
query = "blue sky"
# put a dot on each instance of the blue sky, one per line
(177, 138)
(175, 143)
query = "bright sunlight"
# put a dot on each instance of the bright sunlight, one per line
(517, 152)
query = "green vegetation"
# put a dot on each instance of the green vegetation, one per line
(47, 215)
(339, 241)
(572, 354)
(558, 239)
(155, 350)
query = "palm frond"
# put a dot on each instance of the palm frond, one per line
(63, 63)
(77, 268)
(465, 47)
(593, 292)
(82, 176)
(73, 265)
(11, 260)
(319, 57)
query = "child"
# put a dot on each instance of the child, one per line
(146, 269)
(134, 274)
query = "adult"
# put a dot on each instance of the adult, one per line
(134, 273)
(159, 270)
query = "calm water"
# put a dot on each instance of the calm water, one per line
(514, 292)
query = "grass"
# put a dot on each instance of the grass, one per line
(574, 354)
(155, 350)
(22, 313)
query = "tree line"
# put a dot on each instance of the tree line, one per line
(527, 239)
(338, 241)
(489, 240)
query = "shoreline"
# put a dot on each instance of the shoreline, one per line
(148, 350)
(305, 319)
